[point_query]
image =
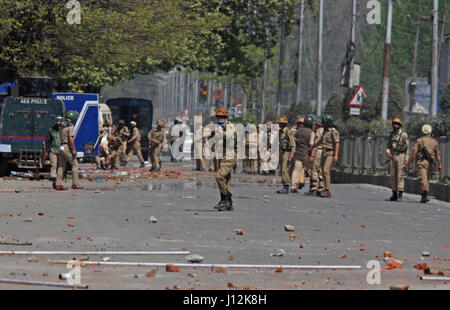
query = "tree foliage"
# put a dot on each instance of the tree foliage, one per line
(115, 40)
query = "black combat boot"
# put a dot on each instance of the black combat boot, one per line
(400, 196)
(228, 205)
(300, 185)
(425, 198)
(221, 202)
(285, 190)
(394, 196)
(325, 194)
(142, 165)
(53, 182)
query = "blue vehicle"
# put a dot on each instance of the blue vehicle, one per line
(86, 127)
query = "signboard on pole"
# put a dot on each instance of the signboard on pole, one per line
(358, 97)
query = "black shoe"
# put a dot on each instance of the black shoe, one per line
(123, 163)
(228, 205)
(300, 186)
(394, 196)
(400, 196)
(53, 182)
(221, 202)
(285, 190)
(142, 165)
(425, 198)
(325, 194)
(311, 193)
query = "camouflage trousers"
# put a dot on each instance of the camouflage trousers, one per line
(223, 175)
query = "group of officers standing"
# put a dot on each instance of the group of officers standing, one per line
(117, 145)
(312, 148)
(309, 148)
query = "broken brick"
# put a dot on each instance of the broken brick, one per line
(394, 264)
(41, 213)
(292, 237)
(239, 232)
(421, 266)
(172, 268)
(151, 273)
(279, 269)
(399, 287)
(231, 258)
(218, 269)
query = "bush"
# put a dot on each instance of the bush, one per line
(444, 99)
(334, 106)
(440, 125)
(302, 108)
(354, 126)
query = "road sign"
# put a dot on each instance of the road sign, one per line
(355, 111)
(358, 97)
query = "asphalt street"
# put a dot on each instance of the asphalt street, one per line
(113, 213)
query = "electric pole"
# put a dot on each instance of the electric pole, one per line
(300, 43)
(319, 61)
(387, 63)
(435, 60)
(280, 66)
(352, 46)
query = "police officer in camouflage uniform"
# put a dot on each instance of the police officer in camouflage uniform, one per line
(426, 149)
(287, 149)
(397, 152)
(226, 165)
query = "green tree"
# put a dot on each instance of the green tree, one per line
(334, 106)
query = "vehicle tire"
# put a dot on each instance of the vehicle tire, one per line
(5, 169)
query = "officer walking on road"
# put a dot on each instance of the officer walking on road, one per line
(287, 149)
(51, 147)
(135, 144)
(225, 165)
(156, 138)
(426, 149)
(397, 152)
(123, 133)
(68, 153)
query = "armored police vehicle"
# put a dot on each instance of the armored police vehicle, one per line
(24, 122)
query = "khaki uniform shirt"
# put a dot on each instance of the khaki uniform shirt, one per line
(124, 133)
(65, 133)
(398, 140)
(285, 134)
(136, 137)
(157, 135)
(330, 138)
(429, 143)
(115, 144)
(317, 137)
